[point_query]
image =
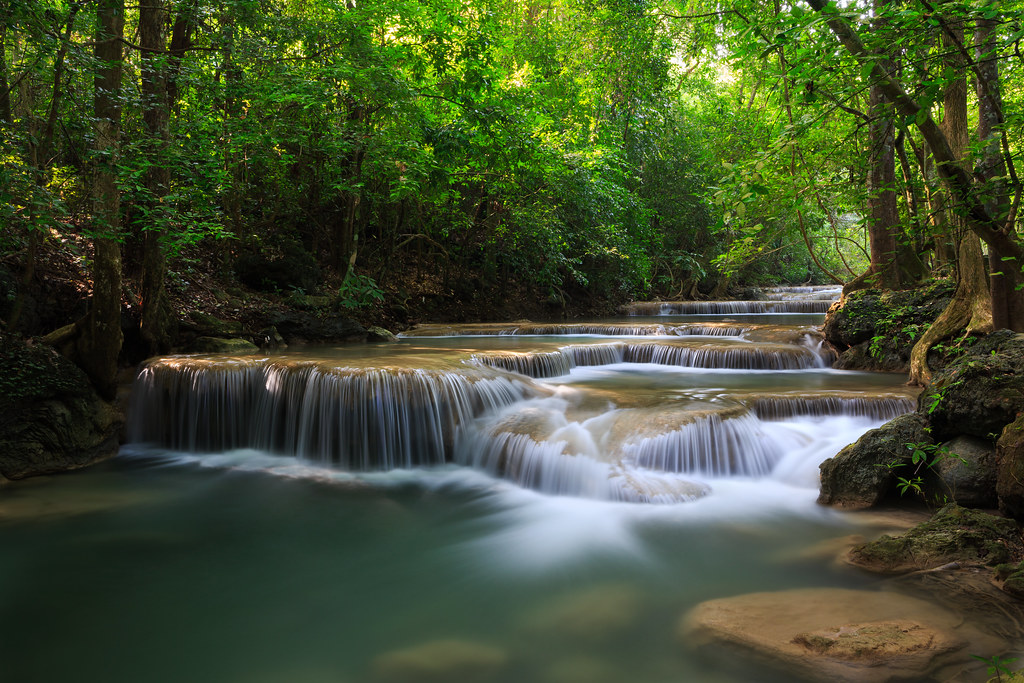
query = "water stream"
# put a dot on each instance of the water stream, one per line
(543, 500)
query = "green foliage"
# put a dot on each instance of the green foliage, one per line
(358, 291)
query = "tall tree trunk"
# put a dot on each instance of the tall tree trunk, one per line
(99, 341)
(992, 169)
(5, 81)
(971, 305)
(156, 322)
(883, 217)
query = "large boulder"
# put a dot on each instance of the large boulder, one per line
(51, 418)
(301, 326)
(865, 473)
(953, 534)
(219, 345)
(875, 329)
(1010, 470)
(828, 634)
(966, 472)
(979, 393)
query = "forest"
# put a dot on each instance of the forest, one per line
(711, 351)
(427, 159)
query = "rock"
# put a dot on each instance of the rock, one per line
(595, 614)
(864, 474)
(290, 269)
(300, 326)
(966, 470)
(1010, 469)
(747, 294)
(953, 534)
(886, 322)
(824, 634)
(1012, 578)
(875, 329)
(379, 334)
(440, 661)
(979, 393)
(270, 338)
(205, 325)
(51, 419)
(218, 345)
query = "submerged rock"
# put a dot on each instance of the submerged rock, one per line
(440, 661)
(596, 614)
(953, 534)
(864, 473)
(824, 634)
(51, 419)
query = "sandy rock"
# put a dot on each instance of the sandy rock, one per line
(823, 634)
(440, 661)
(594, 614)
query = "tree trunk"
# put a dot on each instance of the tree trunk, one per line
(883, 217)
(5, 87)
(156, 324)
(100, 337)
(991, 168)
(971, 306)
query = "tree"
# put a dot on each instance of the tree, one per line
(99, 335)
(970, 196)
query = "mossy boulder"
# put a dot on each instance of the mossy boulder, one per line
(980, 392)
(301, 326)
(965, 470)
(875, 329)
(864, 474)
(379, 334)
(1009, 485)
(51, 418)
(953, 534)
(1012, 578)
(206, 325)
(219, 345)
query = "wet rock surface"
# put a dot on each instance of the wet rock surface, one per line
(863, 474)
(874, 329)
(953, 534)
(981, 392)
(828, 634)
(51, 419)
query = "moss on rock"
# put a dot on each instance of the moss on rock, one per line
(953, 534)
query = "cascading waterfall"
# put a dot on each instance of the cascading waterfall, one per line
(726, 307)
(360, 419)
(739, 357)
(580, 419)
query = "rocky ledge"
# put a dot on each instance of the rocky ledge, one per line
(51, 419)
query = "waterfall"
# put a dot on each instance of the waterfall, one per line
(354, 418)
(726, 307)
(710, 446)
(733, 357)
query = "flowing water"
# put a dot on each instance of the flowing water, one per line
(538, 502)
